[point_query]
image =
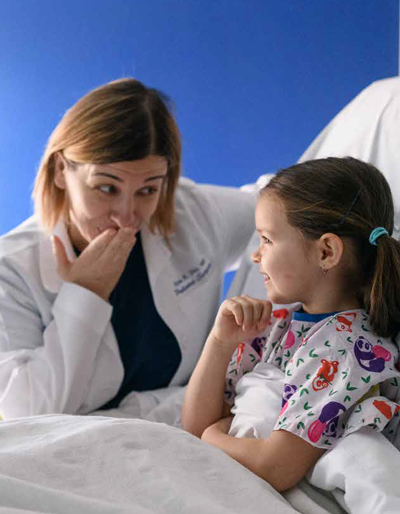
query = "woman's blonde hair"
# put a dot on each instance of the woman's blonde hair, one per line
(120, 121)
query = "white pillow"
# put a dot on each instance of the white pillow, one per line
(368, 128)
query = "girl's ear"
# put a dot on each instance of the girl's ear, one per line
(59, 169)
(330, 247)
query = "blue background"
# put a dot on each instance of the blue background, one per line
(254, 81)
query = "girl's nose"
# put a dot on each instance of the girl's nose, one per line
(255, 256)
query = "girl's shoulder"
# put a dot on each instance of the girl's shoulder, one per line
(343, 323)
(351, 327)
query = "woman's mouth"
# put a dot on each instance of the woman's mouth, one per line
(100, 229)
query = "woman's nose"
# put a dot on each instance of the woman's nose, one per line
(124, 214)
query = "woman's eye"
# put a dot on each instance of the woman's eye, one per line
(148, 191)
(266, 241)
(109, 190)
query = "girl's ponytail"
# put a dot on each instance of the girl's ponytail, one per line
(382, 294)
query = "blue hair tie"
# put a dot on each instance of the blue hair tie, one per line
(376, 234)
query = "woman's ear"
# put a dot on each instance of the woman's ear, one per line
(330, 248)
(59, 169)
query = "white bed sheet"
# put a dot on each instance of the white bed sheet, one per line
(165, 405)
(65, 464)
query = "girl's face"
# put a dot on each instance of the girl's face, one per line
(288, 261)
(116, 195)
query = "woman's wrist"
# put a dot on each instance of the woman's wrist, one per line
(95, 289)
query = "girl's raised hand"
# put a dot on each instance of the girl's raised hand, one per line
(100, 265)
(241, 318)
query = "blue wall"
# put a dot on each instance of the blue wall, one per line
(253, 81)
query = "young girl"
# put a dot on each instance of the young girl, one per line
(325, 243)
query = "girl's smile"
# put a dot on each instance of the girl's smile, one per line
(286, 259)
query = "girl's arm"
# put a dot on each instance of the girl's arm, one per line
(204, 404)
(238, 319)
(282, 459)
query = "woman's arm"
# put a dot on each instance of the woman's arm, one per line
(282, 459)
(54, 368)
(60, 354)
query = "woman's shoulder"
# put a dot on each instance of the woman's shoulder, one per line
(190, 193)
(221, 212)
(24, 237)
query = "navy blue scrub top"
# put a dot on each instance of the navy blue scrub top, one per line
(149, 350)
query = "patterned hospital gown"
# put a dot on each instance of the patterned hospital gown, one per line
(339, 376)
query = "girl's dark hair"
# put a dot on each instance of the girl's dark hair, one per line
(349, 198)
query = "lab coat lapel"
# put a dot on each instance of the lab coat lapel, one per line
(158, 259)
(156, 253)
(48, 265)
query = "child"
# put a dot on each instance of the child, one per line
(325, 243)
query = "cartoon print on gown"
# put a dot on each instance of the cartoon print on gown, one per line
(371, 358)
(325, 374)
(335, 372)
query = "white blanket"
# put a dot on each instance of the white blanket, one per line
(65, 464)
(90, 464)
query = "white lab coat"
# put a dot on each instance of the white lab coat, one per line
(58, 351)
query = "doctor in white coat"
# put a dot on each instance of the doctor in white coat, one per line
(113, 284)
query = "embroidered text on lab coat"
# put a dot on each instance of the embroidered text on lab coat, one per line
(192, 277)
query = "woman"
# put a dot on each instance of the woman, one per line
(113, 284)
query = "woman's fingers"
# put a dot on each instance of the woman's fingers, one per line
(63, 263)
(101, 264)
(99, 245)
(119, 247)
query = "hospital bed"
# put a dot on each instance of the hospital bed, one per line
(113, 462)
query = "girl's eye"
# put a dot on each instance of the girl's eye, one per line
(265, 240)
(109, 190)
